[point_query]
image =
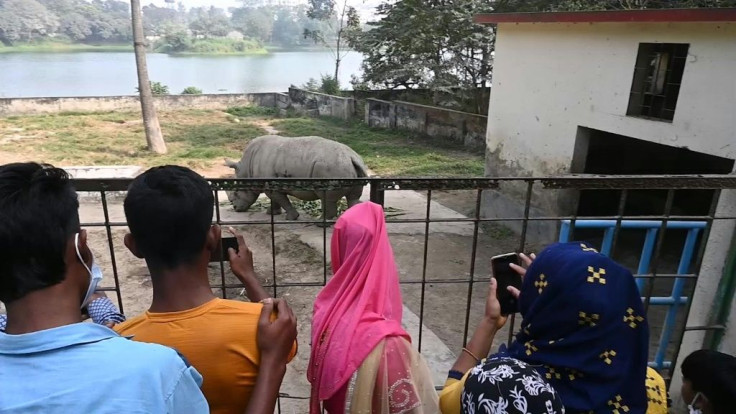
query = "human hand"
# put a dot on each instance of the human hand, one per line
(276, 337)
(241, 261)
(526, 260)
(493, 307)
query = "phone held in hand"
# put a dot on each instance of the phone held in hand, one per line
(221, 252)
(506, 276)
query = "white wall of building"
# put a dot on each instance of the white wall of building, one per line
(550, 78)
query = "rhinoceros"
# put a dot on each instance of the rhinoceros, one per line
(273, 156)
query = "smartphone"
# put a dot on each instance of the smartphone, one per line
(505, 277)
(221, 252)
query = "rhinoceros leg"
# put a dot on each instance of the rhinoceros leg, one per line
(329, 204)
(275, 208)
(282, 200)
(353, 195)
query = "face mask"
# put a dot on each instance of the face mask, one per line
(691, 406)
(95, 274)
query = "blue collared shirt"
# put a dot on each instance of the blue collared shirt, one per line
(88, 368)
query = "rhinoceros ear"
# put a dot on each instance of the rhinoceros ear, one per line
(230, 163)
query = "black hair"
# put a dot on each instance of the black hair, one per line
(713, 374)
(169, 212)
(39, 211)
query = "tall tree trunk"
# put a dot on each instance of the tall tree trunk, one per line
(154, 137)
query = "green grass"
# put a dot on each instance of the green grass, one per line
(390, 153)
(198, 139)
(201, 139)
(251, 111)
(56, 46)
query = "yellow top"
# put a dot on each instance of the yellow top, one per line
(218, 338)
(451, 394)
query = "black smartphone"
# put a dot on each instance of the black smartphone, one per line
(221, 252)
(505, 277)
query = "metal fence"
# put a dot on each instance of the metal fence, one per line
(649, 263)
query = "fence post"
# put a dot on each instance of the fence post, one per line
(377, 195)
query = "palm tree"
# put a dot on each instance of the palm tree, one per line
(154, 137)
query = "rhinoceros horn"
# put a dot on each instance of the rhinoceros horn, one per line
(230, 163)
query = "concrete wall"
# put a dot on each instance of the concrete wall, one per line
(319, 104)
(551, 78)
(463, 128)
(36, 106)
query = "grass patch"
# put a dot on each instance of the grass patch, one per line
(200, 139)
(390, 153)
(251, 111)
(194, 138)
(59, 46)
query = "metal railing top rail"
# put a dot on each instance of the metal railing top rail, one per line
(588, 182)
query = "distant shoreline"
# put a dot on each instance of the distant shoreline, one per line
(52, 47)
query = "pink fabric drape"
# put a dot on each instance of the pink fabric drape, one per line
(359, 306)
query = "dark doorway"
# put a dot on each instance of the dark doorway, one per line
(599, 152)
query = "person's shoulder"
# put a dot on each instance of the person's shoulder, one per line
(125, 328)
(239, 307)
(144, 354)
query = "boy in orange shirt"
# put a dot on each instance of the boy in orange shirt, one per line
(169, 213)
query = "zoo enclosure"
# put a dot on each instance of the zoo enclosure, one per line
(648, 272)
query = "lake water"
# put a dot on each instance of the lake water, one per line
(99, 74)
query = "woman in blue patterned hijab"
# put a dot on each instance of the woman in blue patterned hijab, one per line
(584, 329)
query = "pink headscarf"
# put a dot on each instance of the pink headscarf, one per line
(360, 306)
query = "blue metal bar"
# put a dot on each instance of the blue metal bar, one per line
(565, 231)
(637, 224)
(685, 259)
(646, 256)
(652, 228)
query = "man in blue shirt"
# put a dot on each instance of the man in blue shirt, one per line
(50, 361)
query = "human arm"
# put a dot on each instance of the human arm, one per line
(241, 263)
(187, 397)
(482, 339)
(275, 340)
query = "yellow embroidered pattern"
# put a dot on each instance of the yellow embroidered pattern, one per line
(631, 319)
(530, 348)
(551, 372)
(618, 405)
(596, 275)
(573, 374)
(587, 249)
(541, 283)
(589, 320)
(607, 356)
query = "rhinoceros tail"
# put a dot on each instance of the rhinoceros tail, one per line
(360, 169)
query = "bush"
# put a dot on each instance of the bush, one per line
(246, 111)
(191, 90)
(311, 85)
(157, 88)
(330, 85)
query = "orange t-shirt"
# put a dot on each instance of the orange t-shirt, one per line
(219, 340)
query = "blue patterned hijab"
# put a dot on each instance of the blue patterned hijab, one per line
(585, 330)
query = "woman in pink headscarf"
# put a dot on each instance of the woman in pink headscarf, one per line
(362, 359)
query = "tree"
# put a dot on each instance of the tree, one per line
(257, 23)
(343, 21)
(154, 137)
(429, 44)
(208, 22)
(25, 19)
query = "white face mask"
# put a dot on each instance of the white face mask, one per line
(691, 406)
(95, 273)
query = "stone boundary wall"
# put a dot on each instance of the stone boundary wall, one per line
(38, 106)
(463, 128)
(320, 104)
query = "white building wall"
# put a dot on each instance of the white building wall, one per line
(550, 78)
